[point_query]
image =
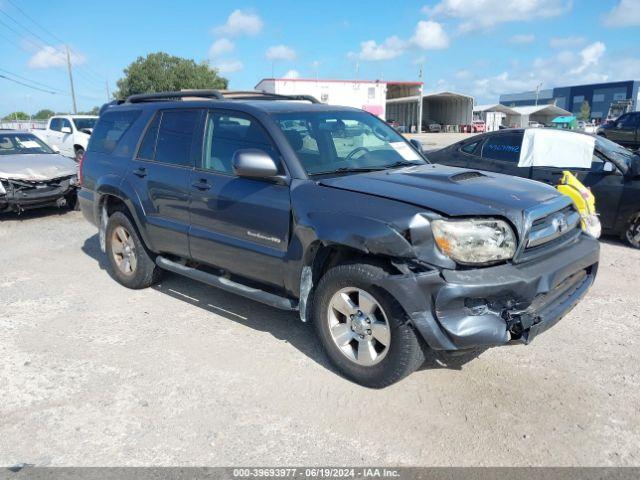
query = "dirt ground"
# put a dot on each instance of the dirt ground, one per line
(183, 374)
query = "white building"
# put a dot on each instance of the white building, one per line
(369, 95)
(390, 100)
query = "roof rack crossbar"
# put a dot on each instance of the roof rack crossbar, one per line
(150, 97)
(262, 95)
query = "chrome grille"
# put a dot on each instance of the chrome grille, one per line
(548, 226)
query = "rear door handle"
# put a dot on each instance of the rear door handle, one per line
(140, 172)
(201, 184)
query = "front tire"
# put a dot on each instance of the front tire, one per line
(632, 233)
(362, 329)
(129, 261)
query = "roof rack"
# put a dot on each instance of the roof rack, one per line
(262, 95)
(152, 97)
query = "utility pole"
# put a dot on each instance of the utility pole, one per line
(419, 127)
(538, 92)
(106, 82)
(73, 92)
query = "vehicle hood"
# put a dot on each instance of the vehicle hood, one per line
(36, 166)
(450, 191)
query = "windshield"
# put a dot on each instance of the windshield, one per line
(616, 152)
(22, 143)
(327, 142)
(82, 123)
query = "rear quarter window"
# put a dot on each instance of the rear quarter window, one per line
(109, 130)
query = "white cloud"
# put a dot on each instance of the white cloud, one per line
(292, 74)
(280, 52)
(590, 55)
(430, 35)
(372, 51)
(462, 74)
(625, 14)
(241, 22)
(223, 45)
(51, 57)
(567, 42)
(523, 38)
(229, 66)
(482, 14)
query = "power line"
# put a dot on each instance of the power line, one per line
(99, 77)
(25, 85)
(33, 81)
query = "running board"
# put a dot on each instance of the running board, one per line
(261, 296)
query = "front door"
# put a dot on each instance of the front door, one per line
(160, 175)
(238, 224)
(66, 138)
(625, 130)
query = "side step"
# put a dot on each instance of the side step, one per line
(261, 296)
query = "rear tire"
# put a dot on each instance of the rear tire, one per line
(370, 340)
(129, 261)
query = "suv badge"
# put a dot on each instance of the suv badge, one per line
(262, 236)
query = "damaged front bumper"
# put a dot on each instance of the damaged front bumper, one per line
(484, 307)
(19, 195)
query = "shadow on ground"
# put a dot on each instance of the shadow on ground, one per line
(34, 214)
(282, 325)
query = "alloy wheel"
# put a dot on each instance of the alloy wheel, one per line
(358, 326)
(123, 249)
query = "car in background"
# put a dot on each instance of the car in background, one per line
(431, 126)
(478, 126)
(536, 125)
(68, 134)
(614, 176)
(625, 130)
(33, 175)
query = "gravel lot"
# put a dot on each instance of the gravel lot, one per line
(183, 374)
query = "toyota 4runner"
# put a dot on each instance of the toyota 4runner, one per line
(330, 212)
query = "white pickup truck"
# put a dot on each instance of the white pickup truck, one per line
(68, 134)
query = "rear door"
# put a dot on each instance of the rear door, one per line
(238, 224)
(501, 153)
(160, 175)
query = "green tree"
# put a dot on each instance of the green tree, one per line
(44, 114)
(93, 111)
(585, 111)
(158, 72)
(16, 116)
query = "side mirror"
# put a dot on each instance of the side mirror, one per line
(55, 148)
(416, 143)
(65, 129)
(608, 167)
(254, 163)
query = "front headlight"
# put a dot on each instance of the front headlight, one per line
(474, 241)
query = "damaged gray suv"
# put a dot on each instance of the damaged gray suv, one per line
(330, 212)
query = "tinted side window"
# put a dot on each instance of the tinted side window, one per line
(175, 136)
(503, 147)
(226, 133)
(148, 147)
(109, 130)
(55, 124)
(469, 147)
(629, 120)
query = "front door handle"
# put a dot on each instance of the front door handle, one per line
(140, 172)
(201, 184)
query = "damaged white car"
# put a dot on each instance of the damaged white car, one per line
(33, 175)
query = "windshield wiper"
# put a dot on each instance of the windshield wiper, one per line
(350, 169)
(404, 163)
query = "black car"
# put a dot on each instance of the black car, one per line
(625, 130)
(330, 212)
(614, 176)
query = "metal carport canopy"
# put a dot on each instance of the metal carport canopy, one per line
(495, 107)
(448, 108)
(539, 113)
